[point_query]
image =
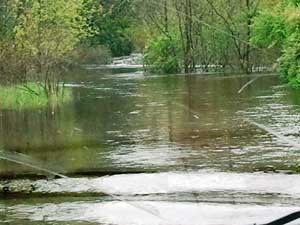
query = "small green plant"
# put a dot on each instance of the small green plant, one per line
(30, 96)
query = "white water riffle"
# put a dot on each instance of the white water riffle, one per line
(134, 61)
(177, 182)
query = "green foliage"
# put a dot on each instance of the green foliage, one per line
(290, 60)
(163, 55)
(50, 29)
(37, 36)
(113, 27)
(295, 2)
(214, 47)
(30, 96)
(281, 27)
(269, 30)
(8, 18)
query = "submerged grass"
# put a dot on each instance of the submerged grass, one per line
(30, 96)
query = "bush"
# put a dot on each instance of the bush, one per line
(162, 55)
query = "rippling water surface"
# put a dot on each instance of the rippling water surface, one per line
(182, 149)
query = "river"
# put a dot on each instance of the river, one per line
(155, 149)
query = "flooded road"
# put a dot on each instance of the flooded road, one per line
(182, 149)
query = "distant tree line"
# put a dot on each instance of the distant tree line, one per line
(39, 37)
(228, 35)
(210, 33)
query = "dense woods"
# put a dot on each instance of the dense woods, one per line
(40, 38)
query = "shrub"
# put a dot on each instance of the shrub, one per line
(162, 55)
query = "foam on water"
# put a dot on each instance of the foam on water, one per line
(166, 183)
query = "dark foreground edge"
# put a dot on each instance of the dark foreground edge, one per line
(285, 220)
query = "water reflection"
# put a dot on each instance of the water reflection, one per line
(137, 123)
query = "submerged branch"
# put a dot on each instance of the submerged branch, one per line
(24, 160)
(247, 84)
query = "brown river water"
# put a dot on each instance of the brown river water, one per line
(154, 149)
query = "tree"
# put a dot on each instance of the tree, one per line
(45, 33)
(236, 17)
(113, 26)
(211, 34)
(279, 27)
(10, 10)
(184, 13)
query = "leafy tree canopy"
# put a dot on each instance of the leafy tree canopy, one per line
(281, 27)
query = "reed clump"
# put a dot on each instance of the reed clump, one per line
(30, 96)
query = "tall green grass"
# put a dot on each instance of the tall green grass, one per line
(30, 96)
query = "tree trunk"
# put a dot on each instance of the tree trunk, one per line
(189, 63)
(166, 17)
(248, 66)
